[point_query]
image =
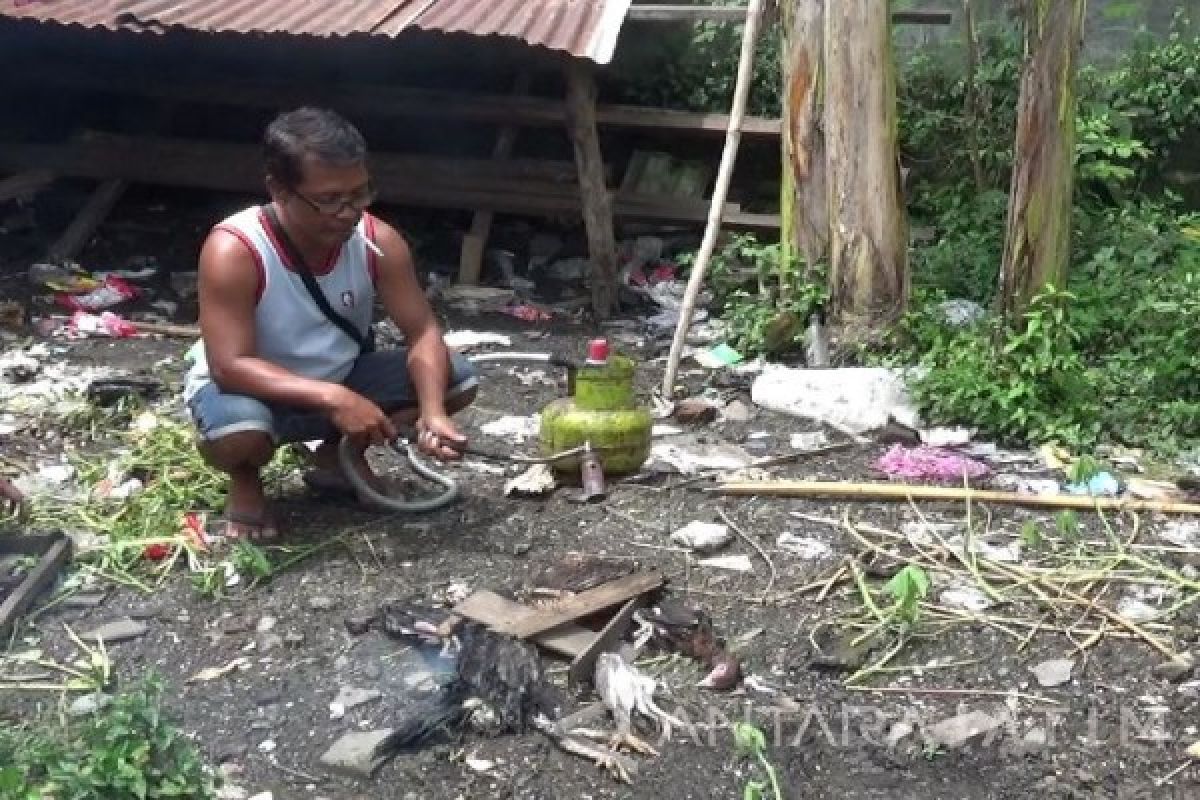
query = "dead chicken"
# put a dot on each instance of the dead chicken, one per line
(625, 690)
(690, 631)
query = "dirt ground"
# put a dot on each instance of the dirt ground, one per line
(1114, 729)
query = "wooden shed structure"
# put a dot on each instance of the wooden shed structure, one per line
(234, 57)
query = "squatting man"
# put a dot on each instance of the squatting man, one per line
(275, 364)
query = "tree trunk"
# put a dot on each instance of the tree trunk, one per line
(868, 268)
(1037, 243)
(805, 198)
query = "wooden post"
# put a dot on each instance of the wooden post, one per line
(1037, 242)
(868, 248)
(87, 220)
(741, 91)
(594, 196)
(470, 262)
(805, 212)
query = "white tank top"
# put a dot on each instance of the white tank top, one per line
(290, 329)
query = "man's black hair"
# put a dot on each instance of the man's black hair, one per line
(323, 134)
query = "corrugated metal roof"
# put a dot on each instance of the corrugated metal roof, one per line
(584, 28)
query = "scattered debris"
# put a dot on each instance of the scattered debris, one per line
(1102, 484)
(670, 456)
(212, 673)
(737, 411)
(1176, 669)
(957, 732)
(695, 411)
(349, 698)
(89, 704)
(718, 357)
(857, 399)
(538, 480)
(813, 440)
(805, 547)
(737, 563)
(702, 537)
(930, 463)
(517, 429)
(965, 597)
(466, 340)
(578, 573)
(122, 629)
(1053, 673)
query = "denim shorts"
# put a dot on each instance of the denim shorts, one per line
(380, 376)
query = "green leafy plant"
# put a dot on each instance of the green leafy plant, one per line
(908, 588)
(128, 750)
(751, 742)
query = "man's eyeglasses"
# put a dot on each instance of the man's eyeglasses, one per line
(358, 202)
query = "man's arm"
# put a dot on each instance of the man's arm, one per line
(227, 286)
(428, 357)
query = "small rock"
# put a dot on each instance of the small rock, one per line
(266, 746)
(88, 704)
(85, 600)
(898, 732)
(268, 696)
(959, 731)
(1177, 668)
(737, 411)
(232, 792)
(263, 796)
(293, 639)
(358, 753)
(321, 603)
(118, 630)
(236, 625)
(265, 624)
(1035, 737)
(227, 758)
(1055, 672)
(269, 641)
(359, 623)
(349, 698)
(695, 411)
(147, 612)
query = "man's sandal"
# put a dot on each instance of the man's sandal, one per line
(261, 527)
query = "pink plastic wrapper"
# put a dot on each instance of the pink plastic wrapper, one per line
(527, 313)
(114, 291)
(929, 463)
(104, 324)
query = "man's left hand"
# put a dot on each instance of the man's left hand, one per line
(434, 435)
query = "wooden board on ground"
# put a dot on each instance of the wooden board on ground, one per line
(493, 610)
(585, 663)
(558, 613)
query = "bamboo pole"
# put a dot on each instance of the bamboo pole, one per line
(905, 492)
(725, 172)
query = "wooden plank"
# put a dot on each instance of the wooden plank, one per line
(470, 262)
(594, 194)
(24, 184)
(89, 218)
(52, 555)
(692, 13)
(162, 162)
(387, 102)
(495, 611)
(683, 12)
(579, 605)
(584, 664)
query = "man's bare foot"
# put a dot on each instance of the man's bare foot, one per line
(246, 514)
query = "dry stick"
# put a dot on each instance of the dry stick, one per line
(953, 692)
(770, 564)
(908, 493)
(713, 225)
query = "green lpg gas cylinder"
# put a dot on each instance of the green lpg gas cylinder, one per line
(602, 412)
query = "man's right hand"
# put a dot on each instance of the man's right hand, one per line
(359, 419)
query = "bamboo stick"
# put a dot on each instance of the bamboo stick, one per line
(725, 173)
(908, 492)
